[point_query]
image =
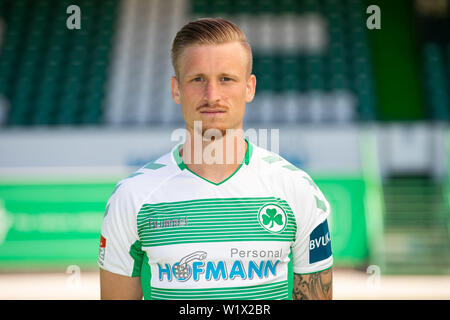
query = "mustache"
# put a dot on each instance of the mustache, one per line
(212, 106)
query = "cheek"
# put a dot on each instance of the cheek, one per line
(188, 97)
(239, 96)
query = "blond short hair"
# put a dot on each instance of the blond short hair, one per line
(208, 31)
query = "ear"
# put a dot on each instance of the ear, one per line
(250, 88)
(175, 90)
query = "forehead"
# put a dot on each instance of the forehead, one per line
(227, 57)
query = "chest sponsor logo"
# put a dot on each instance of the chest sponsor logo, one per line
(272, 218)
(195, 266)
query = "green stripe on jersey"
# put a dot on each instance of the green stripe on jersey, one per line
(273, 291)
(138, 255)
(210, 220)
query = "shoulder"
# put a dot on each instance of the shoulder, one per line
(275, 167)
(295, 184)
(144, 181)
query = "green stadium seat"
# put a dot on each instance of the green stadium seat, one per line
(337, 35)
(333, 6)
(60, 59)
(199, 7)
(291, 83)
(310, 6)
(39, 52)
(289, 73)
(20, 115)
(314, 65)
(448, 68)
(337, 50)
(362, 66)
(68, 114)
(44, 108)
(221, 7)
(54, 56)
(339, 82)
(266, 83)
(436, 82)
(366, 108)
(335, 16)
(243, 7)
(288, 6)
(18, 9)
(359, 50)
(6, 68)
(267, 7)
(4, 85)
(315, 82)
(92, 108)
(338, 66)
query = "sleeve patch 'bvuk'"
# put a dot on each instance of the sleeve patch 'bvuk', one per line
(319, 243)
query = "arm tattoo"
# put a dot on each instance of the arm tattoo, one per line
(314, 286)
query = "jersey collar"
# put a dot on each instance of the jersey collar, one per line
(179, 161)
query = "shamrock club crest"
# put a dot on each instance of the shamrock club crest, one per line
(272, 218)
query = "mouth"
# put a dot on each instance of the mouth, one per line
(213, 112)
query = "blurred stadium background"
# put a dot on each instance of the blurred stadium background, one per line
(365, 112)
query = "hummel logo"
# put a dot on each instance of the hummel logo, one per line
(167, 223)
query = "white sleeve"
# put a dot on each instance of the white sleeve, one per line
(120, 251)
(311, 250)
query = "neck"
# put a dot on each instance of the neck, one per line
(214, 158)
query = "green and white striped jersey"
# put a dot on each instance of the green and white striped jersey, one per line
(189, 238)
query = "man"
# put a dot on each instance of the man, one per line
(217, 217)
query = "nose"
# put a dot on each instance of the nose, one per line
(212, 92)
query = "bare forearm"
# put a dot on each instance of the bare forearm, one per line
(314, 286)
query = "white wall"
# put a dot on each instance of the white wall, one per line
(319, 149)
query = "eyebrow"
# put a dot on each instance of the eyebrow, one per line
(223, 74)
(231, 75)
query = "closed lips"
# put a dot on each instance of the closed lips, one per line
(213, 111)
